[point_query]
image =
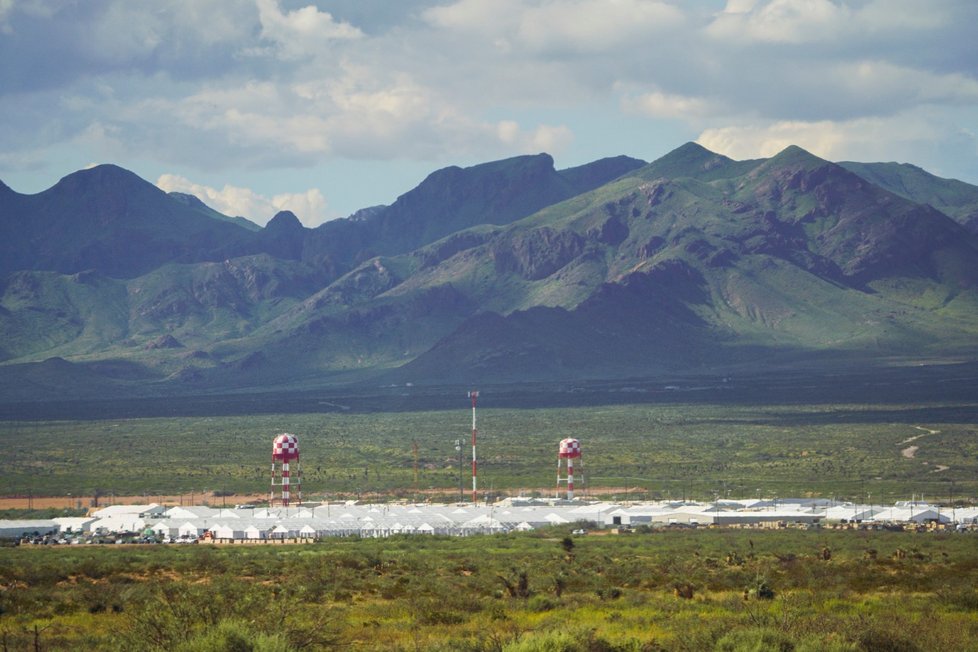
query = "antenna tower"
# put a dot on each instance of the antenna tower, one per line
(414, 448)
(474, 395)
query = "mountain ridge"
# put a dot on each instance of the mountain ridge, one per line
(514, 269)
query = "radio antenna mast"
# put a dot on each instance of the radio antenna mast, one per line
(474, 395)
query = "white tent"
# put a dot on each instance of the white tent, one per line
(15, 529)
(73, 524)
(966, 515)
(920, 514)
(122, 523)
(849, 513)
(483, 523)
(190, 512)
(116, 511)
(225, 531)
(190, 529)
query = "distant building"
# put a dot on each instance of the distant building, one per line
(26, 528)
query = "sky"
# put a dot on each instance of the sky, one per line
(325, 107)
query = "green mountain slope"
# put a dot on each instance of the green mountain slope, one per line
(954, 198)
(42, 313)
(109, 220)
(793, 255)
(453, 199)
(220, 299)
(513, 271)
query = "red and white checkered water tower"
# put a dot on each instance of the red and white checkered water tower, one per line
(285, 450)
(570, 450)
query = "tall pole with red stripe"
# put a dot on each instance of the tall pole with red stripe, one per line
(569, 449)
(474, 395)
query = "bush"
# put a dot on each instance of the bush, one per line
(541, 603)
(880, 640)
(612, 593)
(431, 611)
(760, 588)
(574, 640)
(755, 640)
(966, 598)
(234, 636)
(518, 586)
(684, 590)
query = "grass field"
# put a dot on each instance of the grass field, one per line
(670, 590)
(664, 590)
(873, 452)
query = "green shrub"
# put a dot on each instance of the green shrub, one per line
(965, 598)
(760, 588)
(234, 636)
(610, 593)
(755, 640)
(432, 611)
(573, 640)
(542, 603)
(881, 640)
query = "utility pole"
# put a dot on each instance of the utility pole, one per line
(414, 448)
(954, 514)
(458, 450)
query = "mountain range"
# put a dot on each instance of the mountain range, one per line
(510, 270)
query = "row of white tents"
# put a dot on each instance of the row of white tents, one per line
(382, 520)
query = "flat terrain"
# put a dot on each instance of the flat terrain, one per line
(845, 450)
(675, 590)
(672, 590)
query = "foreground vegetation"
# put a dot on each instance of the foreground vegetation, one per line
(849, 451)
(664, 590)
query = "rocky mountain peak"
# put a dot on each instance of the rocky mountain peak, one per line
(102, 178)
(284, 221)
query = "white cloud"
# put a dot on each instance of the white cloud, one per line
(194, 85)
(354, 114)
(863, 139)
(472, 15)
(892, 83)
(813, 21)
(35, 8)
(302, 32)
(553, 139)
(6, 6)
(508, 131)
(761, 141)
(594, 25)
(779, 21)
(545, 138)
(657, 104)
(309, 206)
(902, 15)
(565, 26)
